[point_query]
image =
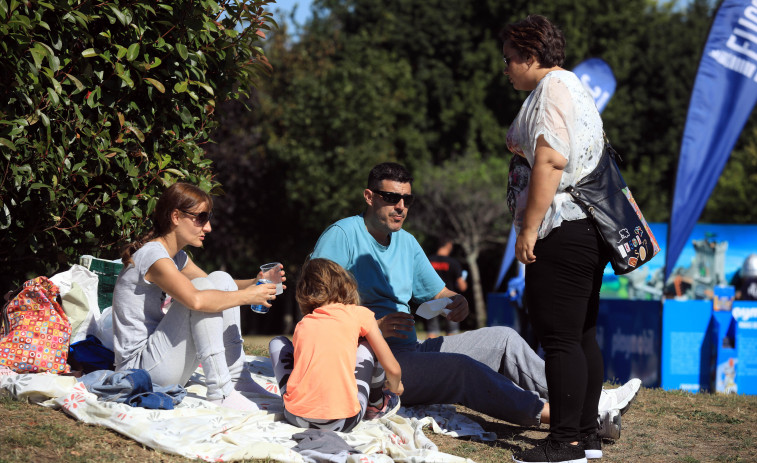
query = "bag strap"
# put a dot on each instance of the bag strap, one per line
(611, 150)
(608, 150)
(5, 324)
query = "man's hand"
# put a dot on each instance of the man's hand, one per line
(394, 324)
(459, 308)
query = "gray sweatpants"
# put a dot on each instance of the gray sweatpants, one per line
(185, 338)
(491, 370)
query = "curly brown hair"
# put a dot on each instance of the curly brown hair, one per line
(324, 282)
(536, 36)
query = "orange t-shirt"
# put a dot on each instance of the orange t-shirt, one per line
(322, 384)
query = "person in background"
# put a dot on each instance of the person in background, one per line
(558, 132)
(451, 272)
(201, 324)
(330, 377)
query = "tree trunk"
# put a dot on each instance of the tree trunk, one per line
(479, 303)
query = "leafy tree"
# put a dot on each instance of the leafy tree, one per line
(332, 110)
(301, 159)
(453, 53)
(731, 200)
(464, 200)
(105, 105)
(646, 117)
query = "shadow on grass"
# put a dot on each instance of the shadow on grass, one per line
(510, 437)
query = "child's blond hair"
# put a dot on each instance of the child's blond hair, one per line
(324, 282)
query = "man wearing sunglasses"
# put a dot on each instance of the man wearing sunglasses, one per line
(491, 370)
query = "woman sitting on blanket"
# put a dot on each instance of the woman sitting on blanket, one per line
(201, 325)
(329, 378)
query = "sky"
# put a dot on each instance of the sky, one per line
(283, 7)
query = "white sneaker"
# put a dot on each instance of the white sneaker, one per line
(609, 424)
(619, 398)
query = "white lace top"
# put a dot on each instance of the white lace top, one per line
(561, 110)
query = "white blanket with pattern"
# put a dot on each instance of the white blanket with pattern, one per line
(200, 430)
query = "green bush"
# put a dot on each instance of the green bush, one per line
(104, 104)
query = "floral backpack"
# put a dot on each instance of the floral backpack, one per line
(34, 330)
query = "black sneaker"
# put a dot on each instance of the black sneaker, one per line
(552, 451)
(592, 446)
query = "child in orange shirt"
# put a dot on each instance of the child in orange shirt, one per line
(330, 377)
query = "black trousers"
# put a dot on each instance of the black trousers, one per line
(562, 294)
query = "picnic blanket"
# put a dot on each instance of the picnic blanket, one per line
(198, 429)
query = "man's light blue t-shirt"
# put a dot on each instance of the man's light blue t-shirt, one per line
(388, 277)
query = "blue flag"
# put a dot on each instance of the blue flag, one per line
(509, 257)
(725, 91)
(598, 79)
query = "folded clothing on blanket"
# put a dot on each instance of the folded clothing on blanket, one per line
(321, 445)
(321, 440)
(133, 387)
(90, 355)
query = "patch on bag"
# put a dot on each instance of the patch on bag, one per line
(638, 231)
(628, 248)
(624, 235)
(642, 253)
(622, 250)
(632, 262)
(627, 193)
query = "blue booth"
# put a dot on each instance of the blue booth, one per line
(630, 335)
(708, 350)
(686, 349)
(745, 314)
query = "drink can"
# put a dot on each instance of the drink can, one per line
(259, 308)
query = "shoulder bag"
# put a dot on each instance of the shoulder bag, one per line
(608, 203)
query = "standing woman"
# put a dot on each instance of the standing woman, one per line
(201, 325)
(558, 132)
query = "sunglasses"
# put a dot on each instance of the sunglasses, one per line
(201, 218)
(394, 198)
